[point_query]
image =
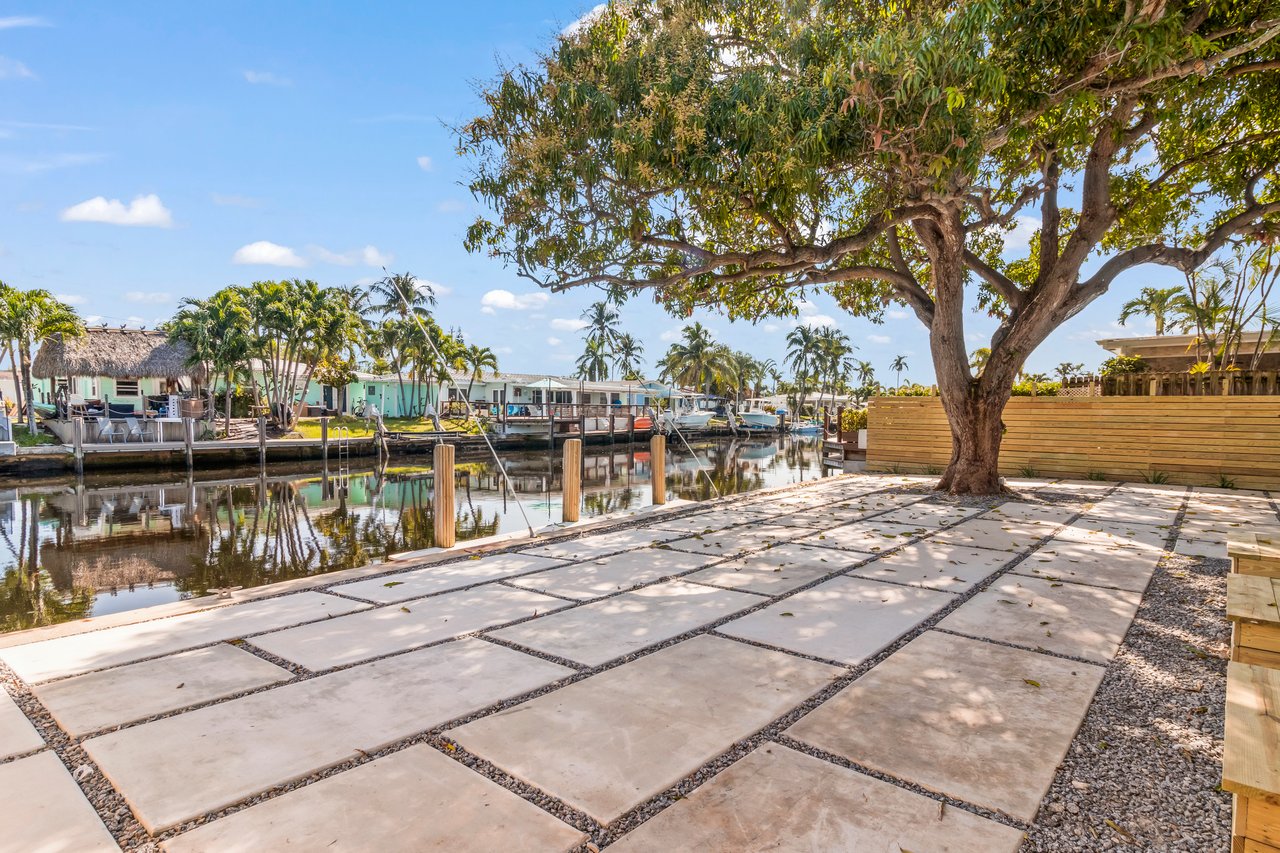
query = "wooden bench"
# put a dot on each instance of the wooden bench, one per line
(1254, 552)
(1251, 757)
(1253, 606)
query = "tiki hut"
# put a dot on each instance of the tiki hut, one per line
(124, 365)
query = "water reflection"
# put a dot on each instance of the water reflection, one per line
(74, 550)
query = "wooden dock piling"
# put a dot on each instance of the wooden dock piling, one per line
(658, 468)
(324, 440)
(572, 478)
(442, 473)
(262, 440)
(189, 440)
(77, 438)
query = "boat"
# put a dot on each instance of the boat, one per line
(755, 416)
(695, 419)
(805, 428)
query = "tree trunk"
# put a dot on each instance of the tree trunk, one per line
(226, 415)
(976, 431)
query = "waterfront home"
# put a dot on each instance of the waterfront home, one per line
(539, 389)
(1176, 353)
(123, 367)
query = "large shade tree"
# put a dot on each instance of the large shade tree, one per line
(739, 155)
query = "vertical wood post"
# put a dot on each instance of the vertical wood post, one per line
(551, 426)
(571, 477)
(631, 426)
(188, 439)
(658, 468)
(442, 471)
(77, 440)
(324, 440)
(262, 440)
(611, 417)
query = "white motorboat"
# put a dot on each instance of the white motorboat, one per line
(755, 416)
(687, 420)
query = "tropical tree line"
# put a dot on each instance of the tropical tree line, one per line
(608, 351)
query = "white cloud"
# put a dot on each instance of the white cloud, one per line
(152, 297)
(554, 342)
(234, 200)
(69, 298)
(370, 256)
(424, 163)
(93, 320)
(880, 339)
(451, 205)
(584, 21)
(268, 253)
(436, 287)
(12, 69)
(508, 301)
(15, 21)
(1017, 240)
(266, 78)
(670, 335)
(814, 321)
(898, 314)
(145, 211)
(567, 324)
(771, 328)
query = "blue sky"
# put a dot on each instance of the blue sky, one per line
(152, 151)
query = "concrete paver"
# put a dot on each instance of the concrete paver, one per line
(430, 580)
(79, 653)
(868, 537)
(1146, 537)
(17, 735)
(777, 570)
(1125, 510)
(740, 540)
(986, 724)
(611, 741)
(98, 700)
(598, 632)
(1095, 564)
(778, 799)
(1205, 546)
(415, 799)
(597, 545)
(613, 574)
(929, 514)
(1087, 622)
(179, 767)
(43, 810)
(845, 619)
(396, 628)
(1020, 511)
(997, 534)
(936, 565)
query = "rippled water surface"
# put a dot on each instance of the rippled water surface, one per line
(118, 543)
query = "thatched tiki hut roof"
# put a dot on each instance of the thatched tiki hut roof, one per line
(116, 354)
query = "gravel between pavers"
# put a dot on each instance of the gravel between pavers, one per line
(1143, 771)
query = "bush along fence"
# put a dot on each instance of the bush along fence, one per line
(1213, 441)
(1212, 383)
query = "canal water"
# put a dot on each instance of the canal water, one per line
(122, 542)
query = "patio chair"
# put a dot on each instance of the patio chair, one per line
(133, 428)
(108, 430)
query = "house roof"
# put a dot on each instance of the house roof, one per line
(1168, 346)
(115, 354)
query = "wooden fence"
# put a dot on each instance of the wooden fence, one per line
(1215, 383)
(1188, 440)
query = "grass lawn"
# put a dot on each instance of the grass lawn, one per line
(361, 428)
(26, 439)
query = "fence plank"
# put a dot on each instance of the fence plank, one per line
(1198, 439)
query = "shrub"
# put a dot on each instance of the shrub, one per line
(915, 390)
(1043, 389)
(853, 419)
(1119, 364)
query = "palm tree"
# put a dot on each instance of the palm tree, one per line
(1066, 369)
(28, 318)
(476, 358)
(593, 364)
(832, 357)
(978, 359)
(1156, 303)
(695, 360)
(801, 348)
(217, 331)
(401, 294)
(866, 373)
(899, 365)
(627, 356)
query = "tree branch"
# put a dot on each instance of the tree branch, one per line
(1003, 285)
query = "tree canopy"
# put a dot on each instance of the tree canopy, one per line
(739, 155)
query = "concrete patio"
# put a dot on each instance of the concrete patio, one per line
(854, 663)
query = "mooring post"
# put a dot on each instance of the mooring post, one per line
(631, 426)
(262, 440)
(188, 439)
(442, 471)
(324, 440)
(77, 440)
(551, 427)
(571, 476)
(658, 467)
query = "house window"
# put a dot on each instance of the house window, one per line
(127, 388)
(90, 387)
(564, 398)
(372, 390)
